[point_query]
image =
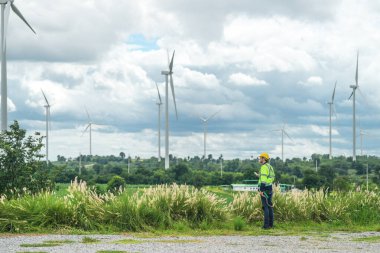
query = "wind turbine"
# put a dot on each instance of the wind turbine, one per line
(205, 121)
(168, 75)
(89, 126)
(354, 87)
(159, 103)
(6, 6)
(331, 103)
(47, 107)
(283, 132)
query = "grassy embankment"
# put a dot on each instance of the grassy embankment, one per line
(174, 209)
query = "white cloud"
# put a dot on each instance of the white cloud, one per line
(11, 105)
(312, 81)
(323, 131)
(83, 56)
(241, 79)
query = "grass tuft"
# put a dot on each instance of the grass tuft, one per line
(37, 245)
(111, 251)
(58, 241)
(239, 223)
(128, 241)
(31, 251)
(371, 239)
(89, 240)
(180, 241)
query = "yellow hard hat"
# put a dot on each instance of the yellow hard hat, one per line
(265, 155)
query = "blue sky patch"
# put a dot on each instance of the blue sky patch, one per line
(142, 42)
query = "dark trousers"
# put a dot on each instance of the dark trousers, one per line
(267, 208)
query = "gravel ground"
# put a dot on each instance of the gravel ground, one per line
(336, 242)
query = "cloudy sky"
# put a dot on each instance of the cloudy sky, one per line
(261, 63)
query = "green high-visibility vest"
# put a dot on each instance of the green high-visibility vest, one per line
(267, 174)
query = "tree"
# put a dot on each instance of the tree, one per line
(179, 172)
(311, 179)
(61, 158)
(122, 155)
(342, 183)
(116, 170)
(20, 165)
(115, 183)
(328, 175)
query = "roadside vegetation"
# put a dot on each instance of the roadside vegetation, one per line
(180, 207)
(116, 194)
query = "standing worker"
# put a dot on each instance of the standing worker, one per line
(266, 178)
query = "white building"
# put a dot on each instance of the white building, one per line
(245, 187)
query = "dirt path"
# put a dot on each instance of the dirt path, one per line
(337, 242)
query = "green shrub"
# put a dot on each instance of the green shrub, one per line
(239, 223)
(116, 183)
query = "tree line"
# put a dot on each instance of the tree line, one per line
(21, 167)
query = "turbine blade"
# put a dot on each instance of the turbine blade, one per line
(213, 115)
(6, 20)
(171, 63)
(18, 13)
(365, 98)
(351, 95)
(88, 115)
(159, 96)
(167, 55)
(333, 95)
(85, 129)
(172, 86)
(43, 93)
(357, 68)
(287, 135)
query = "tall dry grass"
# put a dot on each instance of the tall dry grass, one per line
(82, 208)
(355, 207)
(164, 206)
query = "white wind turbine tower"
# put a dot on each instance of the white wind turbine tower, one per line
(168, 75)
(159, 103)
(47, 107)
(362, 133)
(331, 103)
(354, 87)
(283, 132)
(6, 6)
(89, 126)
(205, 121)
